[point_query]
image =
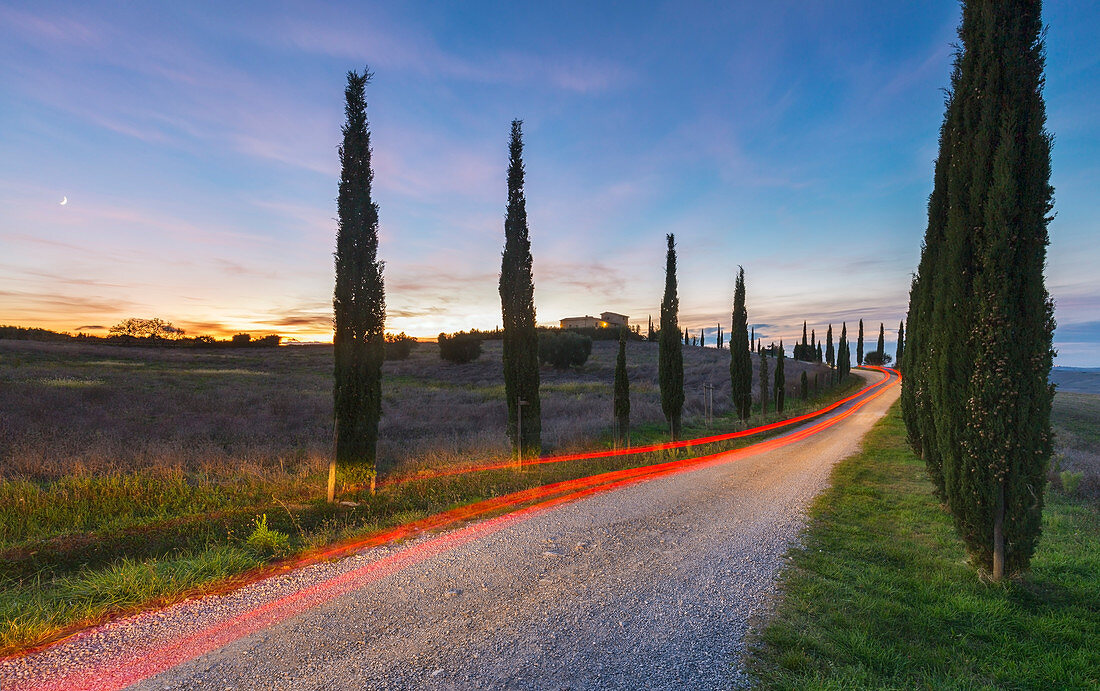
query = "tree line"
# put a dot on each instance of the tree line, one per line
(359, 308)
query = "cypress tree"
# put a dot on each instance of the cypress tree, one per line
(977, 341)
(843, 354)
(359, 299)
(720, 340)
(752, 339)
(882, 342)
(763, 382)
(517, 302)
(996, 494)
(670, 363)
(740, 359)
(780, 379)
(805, 386)
(901, 345)
(819, 355)
(859, 345)
(622, 392)
(702, 337)
(650, 334)
(830, 355)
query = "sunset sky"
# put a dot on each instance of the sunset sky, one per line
(196, 146)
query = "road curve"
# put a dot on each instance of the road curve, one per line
(652, 585)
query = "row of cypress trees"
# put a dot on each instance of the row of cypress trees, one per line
(975, 397)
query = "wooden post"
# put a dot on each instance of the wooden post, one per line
(999, 533)
(332, 465)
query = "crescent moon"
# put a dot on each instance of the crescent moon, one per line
(64, 201)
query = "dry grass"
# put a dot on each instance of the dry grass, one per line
(89, 409)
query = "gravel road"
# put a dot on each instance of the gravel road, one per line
(650, 586)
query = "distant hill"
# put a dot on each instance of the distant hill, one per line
(1076, 379)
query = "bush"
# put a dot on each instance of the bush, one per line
(266, 541)
(460, 347)
(1070, 481)
(398, 346)
(241, 339)
(564, 349)
(876, 357)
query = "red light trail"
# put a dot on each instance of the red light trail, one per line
(144, 664)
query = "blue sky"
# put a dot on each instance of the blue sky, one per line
(196, 144)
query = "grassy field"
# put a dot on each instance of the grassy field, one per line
(880, 595)
(1076, 420)
(130, 477)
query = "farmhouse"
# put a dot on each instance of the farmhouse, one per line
(606, 319)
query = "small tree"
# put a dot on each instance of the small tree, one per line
(780, 379)
(859, 345)
(901, 343)
(622, 393)
(564, 349)
(399, 346)
(805, 386)
(763, 382)
(830, 355)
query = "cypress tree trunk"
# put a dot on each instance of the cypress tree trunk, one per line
(881, 342)
(859, 345)
(763, 382)
(670, 363)
(780, 380)
(517, 303)
(622, 392)
(740, 358)
(358, 301)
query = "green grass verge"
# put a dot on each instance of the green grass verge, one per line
(880, 594)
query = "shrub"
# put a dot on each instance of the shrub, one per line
(1070, 481)
(398, 346)
(460, 347)
(264, 540)
(241, 339)
(564, 349)
(877, 357)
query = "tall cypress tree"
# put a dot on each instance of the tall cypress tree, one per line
(720, 341)
(670, 359)
(752, 339)
(805, 385)
(764, 382)
(622, 391)
(901, 344)
(740, 359)
(980, 320)
(517, 303)
(359, 298)
(830, 355)
(843, 354)
(859, 345)
(650, 333)
(780, 379)
(882, 342)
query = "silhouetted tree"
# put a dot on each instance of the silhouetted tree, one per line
(901, 344)
(740, 359)
(359, 300)
(763, 382)
(830, 355)
(859, 345)
(881, 339)
(805, 386)
(670, 362)
(622, 392)
(780, 379)
(517, 302)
